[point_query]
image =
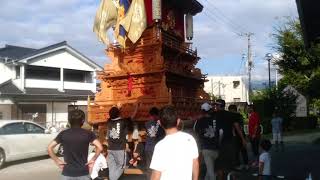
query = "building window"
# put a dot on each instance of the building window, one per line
(302, 109)
(236, 99)
(77, 76)
(35, 112)
(236, 84)
(1, 115)
(43, 73)
(17, 72)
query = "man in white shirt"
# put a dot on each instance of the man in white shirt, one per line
(99, 164)
(175, 156)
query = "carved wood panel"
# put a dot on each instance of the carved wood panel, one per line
(150, 75)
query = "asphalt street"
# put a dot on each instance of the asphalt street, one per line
(295, 163)
(41, 168)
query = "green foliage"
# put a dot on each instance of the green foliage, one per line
(268, 101)
(299, 66)
(315, 105)
(212, 96)
(244, 115)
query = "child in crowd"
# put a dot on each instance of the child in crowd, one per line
(136, 153)
(99, 165)
(128, 154)
(265, 160)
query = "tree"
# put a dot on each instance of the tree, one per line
(280, 100)
(300, 66)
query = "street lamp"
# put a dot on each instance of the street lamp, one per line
(269, 58)
(276, 57)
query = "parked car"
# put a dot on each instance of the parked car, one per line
(20, 139)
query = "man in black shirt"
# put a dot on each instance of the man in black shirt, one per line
(226, 123)
(117, 130)
(205, 129)
(239, 148)
(154, 134)
(75, 142)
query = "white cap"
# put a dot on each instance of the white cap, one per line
(206, 107)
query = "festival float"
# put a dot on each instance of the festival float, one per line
(152, 60)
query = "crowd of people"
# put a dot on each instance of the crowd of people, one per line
(221, 139)
(218, 142)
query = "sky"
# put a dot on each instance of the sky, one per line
(41, 23)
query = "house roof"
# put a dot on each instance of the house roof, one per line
(188, 6)
(9, 90)
(309, 15)
(15, 52)
(23, 55)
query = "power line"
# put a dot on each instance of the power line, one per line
(218, 21)
(222, 22)
(249, 35)
(227, 19)
(219, 14)
(214, 17)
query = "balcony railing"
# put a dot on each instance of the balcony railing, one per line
(173, 42)
(153, 36)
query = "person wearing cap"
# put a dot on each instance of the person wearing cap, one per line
(205, 129)
(226, 123)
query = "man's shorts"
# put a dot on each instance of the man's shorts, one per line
(87, 177)
(277, 137)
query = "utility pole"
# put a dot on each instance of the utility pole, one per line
(211, 89)
(219, 90)
(276, 78)
(269, 73)
(249, 62)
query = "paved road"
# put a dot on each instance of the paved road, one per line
(41, 168)
(33, 169)
(295, 163)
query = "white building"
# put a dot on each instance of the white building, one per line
(301, 102)
(44, 84)
(229, 88)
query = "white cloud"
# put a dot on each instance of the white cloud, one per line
(44, 22)
(215, 37)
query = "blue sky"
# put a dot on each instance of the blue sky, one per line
(43, 22)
